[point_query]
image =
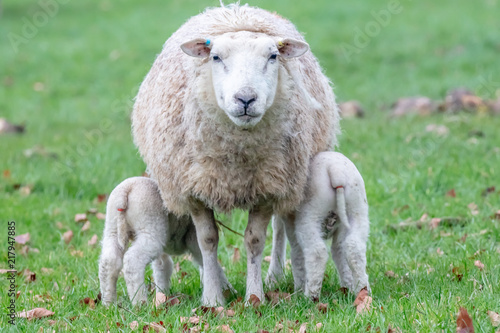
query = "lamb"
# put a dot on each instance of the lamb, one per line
(228, 117)
(335, 191)
(135, 211)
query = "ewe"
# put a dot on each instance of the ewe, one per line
(135, 211)
(229, 116)
(335, 188)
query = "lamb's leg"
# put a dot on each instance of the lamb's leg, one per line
(355, 253)
(278, 253)
(143, 250)
(163, 267)
(208, 239)
(255, 238)
(339, 257)
(110, 264)
(309, 236)
(296, 254)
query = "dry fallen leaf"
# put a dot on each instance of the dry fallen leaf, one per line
(494, 318)
(45, 270)
(394, 330)
(274, 297)
(254, 300)
(451, 193)
(88, 301)
(67, 236)
(93, 240)
(76, 253)
(236, 255)
(464, 322)
(6, 127)
(224, 329)
(363, 301)
(391, 274)
(267, 258)
(160, 299)
(322, 307)
(22, 239)
(29, 275)
(351, 109)
(35, 313)
(81, 217)
(479, 265)
(86, 226)
(473, 208)
(302, 328)
(434, 223)
(100, 216)
(413, 105)
(134, 325)
(157, 328)
(230, 313)
(440, 130)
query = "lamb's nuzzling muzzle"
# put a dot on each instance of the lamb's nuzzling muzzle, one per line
(245, 71)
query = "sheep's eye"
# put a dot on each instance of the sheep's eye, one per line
(273, 57)
(216, 58)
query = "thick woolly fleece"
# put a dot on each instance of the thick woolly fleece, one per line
(135, 212)
(194, 152)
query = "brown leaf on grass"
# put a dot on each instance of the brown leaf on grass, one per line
(391, 274)
(351, 109)
(93, 240)
(440, 130)
(88, 301)
(5, 271)
(81, 217)
(67, 236)
(35, 313)
(7, 127)
(22, 239)
(25, 190)
(101, 197)
(464, 322)
(6, 174)
(86, 226)
(236, 255)
(275, 297)
(100, 216)
(479, 265)
(494, 318)
(473, 208)
(160, 299)
(92, 211)
(302, 328)
(29, 275)
(451, 193)
(457, 272)
(362, 301)
(45, 270)
(230, 313)
(394, 330)
(488, 190)
(224, 329)
(267, 258)
(496, 216)
(434, 223)
(76, 253)
(322, 307)
(254, 300)
(463, 238)
(413, 105)
(134, 325)
(262, 331)
(157, 327)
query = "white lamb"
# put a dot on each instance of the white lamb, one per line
(135, 211)
(335, 191)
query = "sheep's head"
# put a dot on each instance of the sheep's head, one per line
(245, 71)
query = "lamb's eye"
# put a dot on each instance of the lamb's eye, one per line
(273, 57)
(216, 58)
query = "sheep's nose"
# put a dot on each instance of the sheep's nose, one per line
(245, 97)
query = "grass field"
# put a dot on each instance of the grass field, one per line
(71, 79)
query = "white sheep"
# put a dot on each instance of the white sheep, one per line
(229, 116)
(335, 207)
(135, 211)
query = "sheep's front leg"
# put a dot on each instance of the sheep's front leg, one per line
(255, 238)
(208, 240)
(278, 252)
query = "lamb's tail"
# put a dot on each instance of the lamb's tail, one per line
(121, 202)
(340, 196)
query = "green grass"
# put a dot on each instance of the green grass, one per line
(92, 56)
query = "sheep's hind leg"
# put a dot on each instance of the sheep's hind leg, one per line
(110, 264)
(296, 254)
(255, 238)
(141, 253)
(339, 257)
(355, 253)
(162, 271)
(278, 254)
(208, 240)
(309, 235)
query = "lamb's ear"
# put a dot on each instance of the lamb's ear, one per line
(199, 48)
(291, 48)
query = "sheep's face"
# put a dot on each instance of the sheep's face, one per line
(245, 70)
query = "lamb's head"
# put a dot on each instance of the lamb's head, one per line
(245, 70)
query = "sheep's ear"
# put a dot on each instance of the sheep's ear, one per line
(292, 48)
(199, 47)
